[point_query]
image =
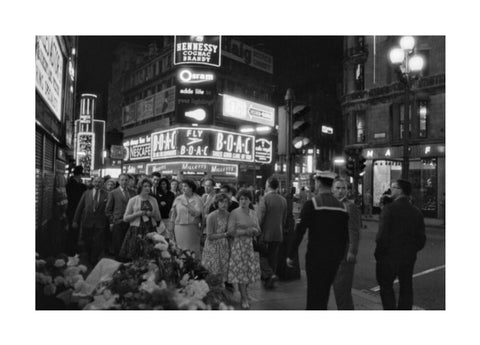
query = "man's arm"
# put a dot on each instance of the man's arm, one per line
(109, 207)
(420, 237)
(306, 216)
(79, 210)
(384, 225)
(262, 209)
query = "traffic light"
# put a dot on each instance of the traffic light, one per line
(350, 167)
(361, 165)
(300, 125)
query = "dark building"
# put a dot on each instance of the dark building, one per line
(373, 112)
(184, 118)
(55, 81)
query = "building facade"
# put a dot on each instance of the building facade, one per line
(55, 88)
(373, 111)
(191, 106)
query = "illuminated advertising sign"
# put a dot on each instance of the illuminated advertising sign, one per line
(85, 153)
(195, 103)
(238, 51)
(263, 151)
(202, 50)
(194, 168)
(164, 101)
(202, 143)
(248, 111)
(189, 76)
(137, 148)
(327, 130)
(49, 72)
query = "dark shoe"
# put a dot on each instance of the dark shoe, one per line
(270, 282)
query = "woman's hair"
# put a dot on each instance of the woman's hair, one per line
(163, 179)
(220, 197)
(191, 184)
(111, 181)
(245, 193)
(142, 182)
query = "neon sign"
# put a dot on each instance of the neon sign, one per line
(203, 143)
(188, 76)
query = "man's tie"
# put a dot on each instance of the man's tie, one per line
(95, 199)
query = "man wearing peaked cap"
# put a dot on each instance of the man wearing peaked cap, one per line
(327, 221)
(325, 174)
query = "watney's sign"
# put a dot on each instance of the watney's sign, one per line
(202, 50)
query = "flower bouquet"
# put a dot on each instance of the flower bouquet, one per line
(165, 277)
(59, 283)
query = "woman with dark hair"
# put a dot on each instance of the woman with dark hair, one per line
(175, 188)
(186, 215)
(215, 253)
(143, 215)
(244, 263)
(165, 200)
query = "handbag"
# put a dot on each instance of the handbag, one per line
(259, 245)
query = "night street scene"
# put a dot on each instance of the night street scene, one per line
(252, 173)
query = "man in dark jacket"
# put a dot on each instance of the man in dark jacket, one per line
(272, 216)
(401, 234)
(75, 189)
(327, 221)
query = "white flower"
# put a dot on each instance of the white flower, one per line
(166, 255)
(162, 285)
(184, 280)
(196, 289)
(40, 263)
(180, 263)
(71, 271)
(59, 263)
(161, 246)
(149, 286)
(222, 306)
(73, 260)
(59, 280)
(82, 268)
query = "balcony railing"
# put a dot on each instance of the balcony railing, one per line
(393, 89)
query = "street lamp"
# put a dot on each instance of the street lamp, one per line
(409, 67)
(289, 100)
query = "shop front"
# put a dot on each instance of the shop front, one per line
(426, 173)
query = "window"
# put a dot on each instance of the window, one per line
(402, 119)
(359, 77)
(360, 126)
(360, 41)
(422, 109)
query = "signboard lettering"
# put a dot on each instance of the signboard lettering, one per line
(248, 111)
(49, 72)
(197, 50)
(263, 151)
(202, 143)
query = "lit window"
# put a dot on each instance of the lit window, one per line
(359, 77)
(422, 118)
(360, 126)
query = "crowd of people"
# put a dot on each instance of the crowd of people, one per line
(241, 243)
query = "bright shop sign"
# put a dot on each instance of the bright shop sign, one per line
(202, 143)
(85, 153)
(193, 168)
(189, 76)
(202, 50)
(242, 109)
(49, 72)
(263, 151)
(137, 148)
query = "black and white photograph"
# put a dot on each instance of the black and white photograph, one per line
(242, 172)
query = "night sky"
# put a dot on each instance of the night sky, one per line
(297, 60)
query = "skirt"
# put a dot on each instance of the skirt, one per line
(133, 246)
(188, 237)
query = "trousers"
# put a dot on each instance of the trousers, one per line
(94, 241)
(119, 231)
(342, 285)
(268, 260)
(386, 271)
(320, 277)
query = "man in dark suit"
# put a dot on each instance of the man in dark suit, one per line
(115, 209)
(272, 216)
(75, 189)
(401, 234)
(90, 215)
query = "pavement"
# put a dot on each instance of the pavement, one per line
(429, 222)
(292, 295)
